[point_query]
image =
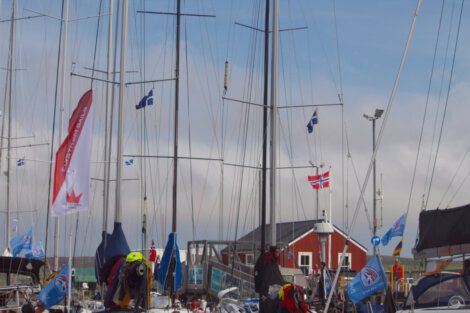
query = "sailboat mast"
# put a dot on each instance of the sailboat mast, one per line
(122, 71)
(175, 152)
(107, 130)
(61, 122)
(265, 128)
(10, 78)
(274, 83)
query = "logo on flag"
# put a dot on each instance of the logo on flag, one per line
(72, 167)
(313, 120)
(56, 289)
(320, 181)
(396, 230)
(20, 162)
(129, 162)
(146, 100)
(368, 281)
(20, 242)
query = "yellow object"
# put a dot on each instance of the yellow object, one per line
(134, 257)
(281, 291)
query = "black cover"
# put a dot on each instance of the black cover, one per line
(23, 266)
(441, 228)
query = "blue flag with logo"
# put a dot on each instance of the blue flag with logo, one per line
(36, 251)
(146, 100)
(368, 281)
(313, 120)
(56, 289)
(20, 242)
(397, 229)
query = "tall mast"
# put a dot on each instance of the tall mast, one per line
(175, 153)
(61, 121)
(10, 78)
(107, 129)
(265, 127)
(274, 83)
(118, 214)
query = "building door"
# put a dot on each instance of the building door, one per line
(305, 262)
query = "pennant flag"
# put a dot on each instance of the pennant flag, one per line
(146, 100)
(368, 281)
(20, 242)
(129, 162)
(398, 248)
(313, 121)
(20, 162)
(72, 167)
(36, 251)
(56, 289)
(320, 181)
(397, 229)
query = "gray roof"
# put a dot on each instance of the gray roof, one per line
(285, 233)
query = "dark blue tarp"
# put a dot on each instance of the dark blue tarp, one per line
(170, 262)
(112, 247)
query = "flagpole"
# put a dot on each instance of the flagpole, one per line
(69, 289)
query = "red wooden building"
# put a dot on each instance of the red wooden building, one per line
(301, 248)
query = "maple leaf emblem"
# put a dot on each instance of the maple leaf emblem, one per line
(72, 198)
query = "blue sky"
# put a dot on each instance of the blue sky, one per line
(371, 37)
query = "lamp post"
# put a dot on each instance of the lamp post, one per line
(377, 114)
(316, 167)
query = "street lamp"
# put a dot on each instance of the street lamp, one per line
(377, 114)
(316, 173)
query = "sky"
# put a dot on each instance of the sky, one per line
(352, 49)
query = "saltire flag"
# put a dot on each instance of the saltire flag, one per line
(36, 251)
(72, 167)
(320, 181)
(396, 230)
(129, 162)
(56, 289)
(368, 281)
(21, 241)
(20, 162)
(313, 120)
(146, 100)
(398, 248)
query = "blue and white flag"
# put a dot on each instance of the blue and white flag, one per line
(36, 251)
(397, 229)
(20, 162)
(368, 281)
(129, 162)
(328, 282)
(313, 121)
(146, 100)
(20, 242)
(56, 289)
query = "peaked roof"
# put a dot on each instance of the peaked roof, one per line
(288, 232)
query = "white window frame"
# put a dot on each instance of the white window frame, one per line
(252, 258)
(349, 256)
(310, 259)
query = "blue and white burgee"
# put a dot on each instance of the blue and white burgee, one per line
(396, 230)
(56, 289)
(368, 281)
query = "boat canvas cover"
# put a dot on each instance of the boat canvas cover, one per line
(170, 262)
(443, 228)
(112, 247)
(22, 266)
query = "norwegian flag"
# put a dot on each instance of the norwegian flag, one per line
(320, 181)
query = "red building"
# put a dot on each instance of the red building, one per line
(301, 247)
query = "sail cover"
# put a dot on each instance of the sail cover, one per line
(170, 262)
(443, 232)
(112, 247)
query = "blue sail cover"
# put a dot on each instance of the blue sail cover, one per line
(112, 246)
(170, 260)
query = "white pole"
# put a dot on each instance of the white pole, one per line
(69, 295)
(274, 83)
(61, 122)
(122, 87)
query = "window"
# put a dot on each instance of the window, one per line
(249, 259)
(305, 262)
(347, 260)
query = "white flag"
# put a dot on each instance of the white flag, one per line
(72, 167)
